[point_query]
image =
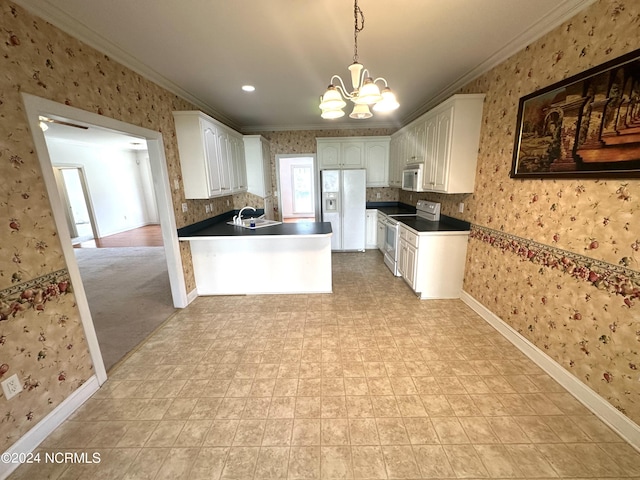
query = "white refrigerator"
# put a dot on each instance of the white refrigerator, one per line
(343, 199)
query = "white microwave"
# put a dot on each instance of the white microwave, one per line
(412, 178)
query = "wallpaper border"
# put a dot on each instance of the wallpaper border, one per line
(33, 293)
(616, 279)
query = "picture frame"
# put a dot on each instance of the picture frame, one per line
(587, 125)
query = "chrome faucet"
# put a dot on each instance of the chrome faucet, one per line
(238, 219)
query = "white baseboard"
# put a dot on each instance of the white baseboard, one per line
(191, 296)
(30, 440)
(622, 425)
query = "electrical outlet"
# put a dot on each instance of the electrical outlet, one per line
(176, 184)
(11, 386)
(461, 207)
(228, 203)
(377, 194)
(411, 197)
(185, 208)
(211, 207)
(207, 209)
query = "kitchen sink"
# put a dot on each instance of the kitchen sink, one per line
(259, 223)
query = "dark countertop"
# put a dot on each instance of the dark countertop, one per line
(392, 208)
(218, 227)
(292, 229)
(446, 224)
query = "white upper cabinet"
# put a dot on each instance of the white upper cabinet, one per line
(352, 154)
(211, 149)
(445, 140)
(329, 154)
(258, 158)
(395, 162)
(238, 164)
(376, 156)
(211, 156)
(370, 153)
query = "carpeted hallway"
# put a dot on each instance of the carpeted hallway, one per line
(129, 295)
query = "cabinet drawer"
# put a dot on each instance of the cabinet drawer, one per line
(409, 237)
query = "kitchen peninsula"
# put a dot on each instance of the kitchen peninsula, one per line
(287, 258)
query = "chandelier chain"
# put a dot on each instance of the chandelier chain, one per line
(357, 28)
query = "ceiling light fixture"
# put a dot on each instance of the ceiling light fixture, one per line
(248, 88)
(365, 92)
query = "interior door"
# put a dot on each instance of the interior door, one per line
(75, 198)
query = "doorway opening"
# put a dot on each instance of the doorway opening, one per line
(297, 187)
(36, 108)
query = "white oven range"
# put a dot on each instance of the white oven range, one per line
(389, 246)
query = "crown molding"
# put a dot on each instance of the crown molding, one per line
(563, 12)
(319, 126)
(52, 14)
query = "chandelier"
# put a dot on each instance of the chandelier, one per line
(365, 91)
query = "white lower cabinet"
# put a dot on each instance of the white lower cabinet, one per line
(382, 231)
(432, 263)
(407, 256)
(371, 229)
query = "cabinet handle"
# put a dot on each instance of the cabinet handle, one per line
(227, 188)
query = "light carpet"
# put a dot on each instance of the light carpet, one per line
(129, 295)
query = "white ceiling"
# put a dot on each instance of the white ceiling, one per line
(205, 50)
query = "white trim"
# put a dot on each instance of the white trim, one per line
(30, 440)
(193, 294)
(36, 106)
(620, 423)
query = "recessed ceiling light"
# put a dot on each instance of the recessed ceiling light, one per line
(248, 88)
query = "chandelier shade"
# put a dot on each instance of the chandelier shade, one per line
(365, 91)
(361, 111)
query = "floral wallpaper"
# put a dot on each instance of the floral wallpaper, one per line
(41, 336)
(558, 260)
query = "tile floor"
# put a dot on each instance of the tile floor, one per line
(366, 383)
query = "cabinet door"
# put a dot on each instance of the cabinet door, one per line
(443, 150)
(371, 229)
(266, 162)
(352, 154)
(328, 155)
(237, 164)
(212, 152)
(419, 142)
(242, 165)
(415, 143)
(381, 236)
(377, 164)
(394, 177)
(404, 149)
(402, 258)
(430, 148)
(411, 258)
(224, 163)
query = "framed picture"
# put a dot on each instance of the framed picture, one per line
(585, 126)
